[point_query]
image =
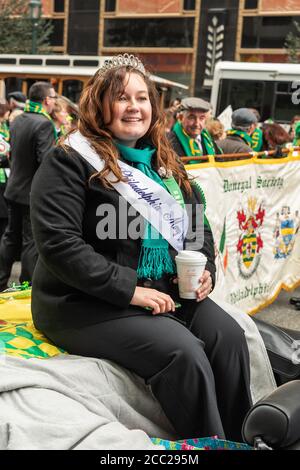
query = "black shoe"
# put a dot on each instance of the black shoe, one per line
(294, 300)
(297, 305)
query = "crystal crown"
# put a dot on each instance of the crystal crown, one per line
(122, 60)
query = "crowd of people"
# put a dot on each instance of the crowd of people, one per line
(117, 297)
(29, 128)
(247, 134)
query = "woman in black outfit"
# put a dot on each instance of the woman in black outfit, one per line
(97, 292)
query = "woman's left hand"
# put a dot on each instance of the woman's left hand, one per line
(205, 287)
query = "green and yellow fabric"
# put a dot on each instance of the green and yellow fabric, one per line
(190, 145)
(243, 135)
(37, 108)
(257, 140)
(23, 340)
(18, 336)
(4, 133)
(296, 141)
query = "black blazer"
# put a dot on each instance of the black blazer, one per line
(32, 136)
(80, 279)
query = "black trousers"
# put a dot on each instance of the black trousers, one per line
(198, 371)
(17, 239)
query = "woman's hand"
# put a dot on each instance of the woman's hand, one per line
(205, 287)
(158, 301)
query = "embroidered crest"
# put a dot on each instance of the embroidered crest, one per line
(250, 242)
(286, 227)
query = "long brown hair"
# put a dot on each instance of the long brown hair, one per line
(93, 126)
(274, 134)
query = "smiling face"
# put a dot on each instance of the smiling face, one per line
(132, 111)
(193, 122)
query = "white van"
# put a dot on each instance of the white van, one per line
(273, 89)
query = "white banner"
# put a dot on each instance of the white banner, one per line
(225, 117)
(253, 207)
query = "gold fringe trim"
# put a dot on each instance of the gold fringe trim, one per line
(271, 300)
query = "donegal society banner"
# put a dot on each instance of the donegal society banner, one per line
(253, 207)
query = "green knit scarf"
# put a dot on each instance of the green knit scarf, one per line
(257, 140)
(243, 135)
(190, 145)
(155, 259)
(37, 108)
(4, 132)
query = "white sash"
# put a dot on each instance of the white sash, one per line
(147, 197)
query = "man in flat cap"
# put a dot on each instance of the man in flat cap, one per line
(189, 136)
(17, 102)
(238, 138)
(17, 99)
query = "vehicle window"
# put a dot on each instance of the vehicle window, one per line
(241, 94)
(284, 105)
(72, 89)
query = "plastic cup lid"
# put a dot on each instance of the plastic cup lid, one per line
(189, 255)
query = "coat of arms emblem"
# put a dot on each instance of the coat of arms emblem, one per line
(250, 242)
(286, 228)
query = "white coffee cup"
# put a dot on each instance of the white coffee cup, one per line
(190, 267)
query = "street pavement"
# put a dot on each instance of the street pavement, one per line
(280, 312)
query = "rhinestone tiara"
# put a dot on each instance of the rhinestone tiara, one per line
(122, 60)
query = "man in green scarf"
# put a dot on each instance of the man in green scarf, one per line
(189, 136)
(32, 136)
(238, 140)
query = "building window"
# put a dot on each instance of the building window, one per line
(86, 5)
(57, 35)
(149, 32)
(267, 32)
(250, 36)
(189, 5)
(110, 5)
(59, 6)
(138, 7)
(251, 4)
(83, 27)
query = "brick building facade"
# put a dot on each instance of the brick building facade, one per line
(178, 39)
